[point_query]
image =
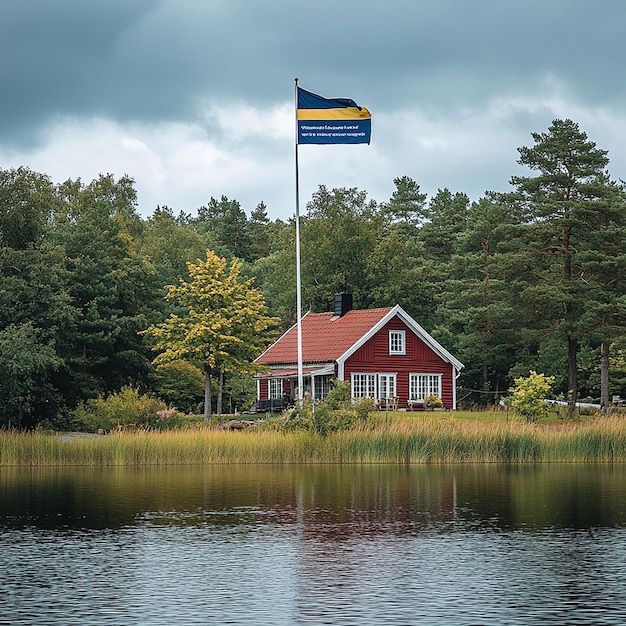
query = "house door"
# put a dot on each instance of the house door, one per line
(386, 386)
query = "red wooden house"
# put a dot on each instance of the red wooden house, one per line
(384, 353)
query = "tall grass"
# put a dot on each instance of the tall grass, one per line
(399, 439)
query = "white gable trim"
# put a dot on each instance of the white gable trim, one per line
(397, 310)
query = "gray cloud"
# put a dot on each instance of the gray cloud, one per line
(475, 75)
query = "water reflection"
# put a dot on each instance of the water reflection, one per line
(287, 545)
(326, 501)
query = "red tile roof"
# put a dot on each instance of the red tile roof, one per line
(325, 336)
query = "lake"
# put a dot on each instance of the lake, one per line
(289, 545)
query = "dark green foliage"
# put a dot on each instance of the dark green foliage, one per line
(27, 365)
(181, 384)
(446, 220)
(573, 234)
(480, 321)
(111, 288)
(26, 202)
(227, 223)
(397, 272)
(341, 229)
(405, 210)
(513, 282)
(258, 227)
(170, 243)
(239, 392)
(275, 275)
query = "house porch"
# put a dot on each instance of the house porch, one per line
(283, 383)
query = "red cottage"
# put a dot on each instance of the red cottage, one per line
(384, 353)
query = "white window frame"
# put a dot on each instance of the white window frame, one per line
(322, 386)
(373, 385)
(397, 342)
(386, 386)
(275, 388)
(422, 385)
(363, 385)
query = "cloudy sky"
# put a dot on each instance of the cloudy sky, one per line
(195, 98)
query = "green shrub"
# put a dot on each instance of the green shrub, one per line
(433, 402)
(339, 395)
(125, 409)
(325, 420)
(528, 395)
(336, 413)
(364, 408)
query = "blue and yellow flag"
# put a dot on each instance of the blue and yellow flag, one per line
(334, 120)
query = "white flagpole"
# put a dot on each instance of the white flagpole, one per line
(298, 279)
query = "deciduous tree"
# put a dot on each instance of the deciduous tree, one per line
(341, 229)
(224, 326)
(111, 286)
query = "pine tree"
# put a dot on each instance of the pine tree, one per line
(569, 208)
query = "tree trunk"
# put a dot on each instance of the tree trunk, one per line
(572, 374)
(207, 393)
(604, 375)
(220, 391)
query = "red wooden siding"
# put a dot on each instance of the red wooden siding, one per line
(374, 357)
(264, 388)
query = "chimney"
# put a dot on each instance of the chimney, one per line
(343, 303)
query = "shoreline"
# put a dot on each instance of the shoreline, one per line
(431, 439)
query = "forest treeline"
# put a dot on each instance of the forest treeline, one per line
(530, 279)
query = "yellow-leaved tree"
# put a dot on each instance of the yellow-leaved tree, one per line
(225, 325)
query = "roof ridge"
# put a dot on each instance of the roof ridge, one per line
(378, 308)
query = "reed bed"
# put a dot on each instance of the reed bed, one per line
(400, 439)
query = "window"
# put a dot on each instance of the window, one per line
(397, 342)
(322, 387)
(386, 386)
(275, 388)
(375, 386)
(363, 385)
(424, 385)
